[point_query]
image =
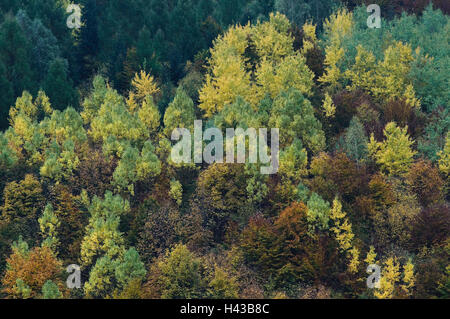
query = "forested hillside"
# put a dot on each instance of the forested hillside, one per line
(87, 177)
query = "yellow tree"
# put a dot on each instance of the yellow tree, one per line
(344, 235)
(390, 275)
(252, 61)
(336, 28)
(395, 154)
(444, 156)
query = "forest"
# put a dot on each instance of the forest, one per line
(87, 177)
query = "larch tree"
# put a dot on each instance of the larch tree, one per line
(395, 154)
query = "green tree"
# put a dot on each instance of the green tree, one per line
(293, 114)
(355, 141)
(49, 224)
(181, 275)
(16, 73)
(7, 96)
(318, 214)
(44, 47)
(50, 291)
(223, 286)
(180, 113)
(102, 233)
(59, 86)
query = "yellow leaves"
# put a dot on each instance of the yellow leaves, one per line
(176, 191)
(392, 74)
(362, 73)
(229, 80)
(234, 42)
(309, 29)
(328, 106)
(310, 38)
(371, 255)
(24, 105)
(344, 236)
(265, 49)
(144, 85)
(444, 157)
(395, 154)
(387, 79)
(131, 102)
(333, 74)
(291, 72)
(149, 114)
(354, 260)
(390, 275)
(408, 277)
(338, 26)
(272, 40)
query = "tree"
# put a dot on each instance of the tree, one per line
(44, 49)
(336, 28)
(394, 154)
(22, 203)
(299, 12)
(388, 79)
(15, 70)
(7, 97)
(180, 274)
(48, 224)
(135, 166)
(253, 61)
(112, 277)
(444, 157)
(318, 213)
(389, 277)
(293, 161)
(344, 235)
(223, 286)
(294, 116)
(59, 86)
(180, 113)
(425, 181)
(221, 196)
(14, 53)
(355, 141)
(102, 233)
(33, 268)
(50, 291)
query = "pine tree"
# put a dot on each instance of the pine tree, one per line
(49, 224)
(355, 141)
(102, 233)
(51, 291)
(180, 113)
(7, 96)
(15, 55)
(59, 87)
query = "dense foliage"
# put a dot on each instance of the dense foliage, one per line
(87, 178)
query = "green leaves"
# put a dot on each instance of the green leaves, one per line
(294, 116)
(134, 166)
(318, 214)
(102, 233)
